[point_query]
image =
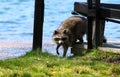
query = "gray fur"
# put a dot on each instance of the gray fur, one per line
(71, 30)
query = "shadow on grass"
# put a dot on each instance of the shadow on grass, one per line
(98, 55)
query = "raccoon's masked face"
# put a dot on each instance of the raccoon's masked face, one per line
(60, 36)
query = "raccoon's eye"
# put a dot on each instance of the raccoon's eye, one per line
(57, 39)
(64, 39)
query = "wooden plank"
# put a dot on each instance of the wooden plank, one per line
(110, 13)
(113, 20)
(81, 8)
(114, 6)
(38, 24)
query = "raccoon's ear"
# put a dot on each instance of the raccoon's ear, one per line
(65, 31)
(55, 32)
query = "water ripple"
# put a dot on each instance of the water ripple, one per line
(9, 22)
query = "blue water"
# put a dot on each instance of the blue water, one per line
(16, 19)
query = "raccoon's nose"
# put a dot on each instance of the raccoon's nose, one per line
(60, 42)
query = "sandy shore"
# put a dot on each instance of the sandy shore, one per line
(16, 49)
(111, 46)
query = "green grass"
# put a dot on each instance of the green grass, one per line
(37, 64)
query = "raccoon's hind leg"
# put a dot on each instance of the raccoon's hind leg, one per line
(58, 45)
(65, 47)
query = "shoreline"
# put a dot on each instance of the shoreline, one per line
(18, 48)
(14, 49)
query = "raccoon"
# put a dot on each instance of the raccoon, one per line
(71, 30)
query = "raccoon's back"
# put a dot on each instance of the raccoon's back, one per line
(76, 28)
(75, 24)
(72, 22)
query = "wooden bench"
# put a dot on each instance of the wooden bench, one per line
(99, 12)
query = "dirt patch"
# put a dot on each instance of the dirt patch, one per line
(113, 59)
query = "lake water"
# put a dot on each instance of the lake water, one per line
(16, 19)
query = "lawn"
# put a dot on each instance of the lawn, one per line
(37, 64)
